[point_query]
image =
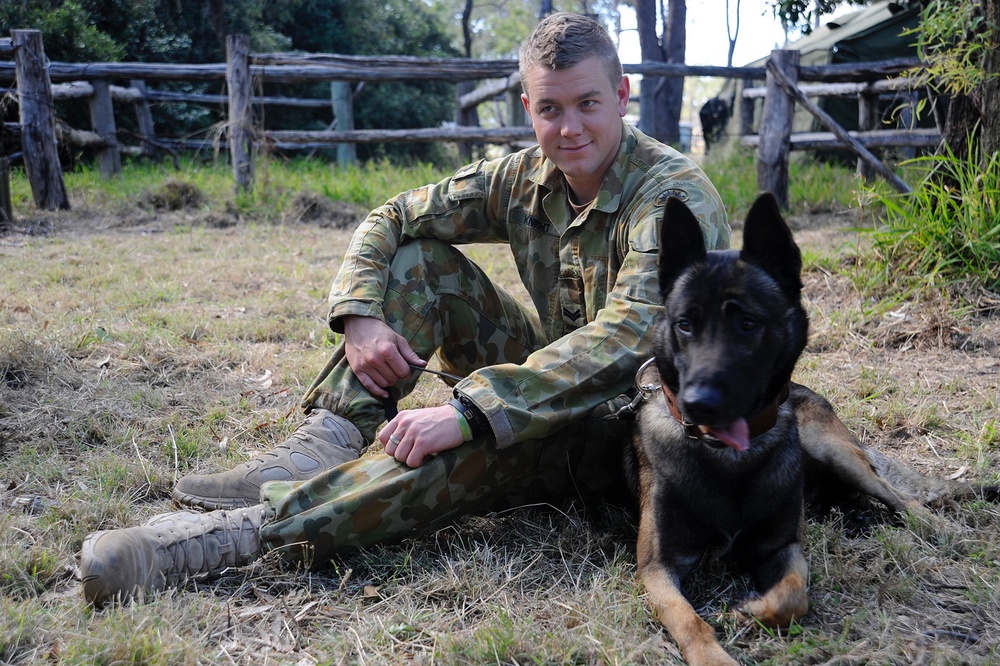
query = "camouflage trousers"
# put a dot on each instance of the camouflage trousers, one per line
(443, 304)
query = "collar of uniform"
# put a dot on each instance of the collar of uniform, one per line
(608, 199)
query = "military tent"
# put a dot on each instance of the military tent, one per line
(881, 31)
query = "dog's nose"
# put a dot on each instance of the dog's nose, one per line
(701, 403)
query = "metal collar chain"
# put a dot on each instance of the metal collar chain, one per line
(642, 392)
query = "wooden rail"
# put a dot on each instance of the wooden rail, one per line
(92, 81)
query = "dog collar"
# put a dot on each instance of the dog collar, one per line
(758, 423)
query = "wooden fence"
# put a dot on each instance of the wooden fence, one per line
(38, 83)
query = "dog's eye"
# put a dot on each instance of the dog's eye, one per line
(683, 325)
(748, 325)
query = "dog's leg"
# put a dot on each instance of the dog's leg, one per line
(831, 449)
(694, 636)
(787, 599)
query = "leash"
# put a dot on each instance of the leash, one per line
(439, 373)
(390, 404)
(642, 392)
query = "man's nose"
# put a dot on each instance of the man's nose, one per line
(571, 125)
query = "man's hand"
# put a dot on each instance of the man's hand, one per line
(417, 433)
(379, 356)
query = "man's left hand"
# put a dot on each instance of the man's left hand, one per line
(417, 433)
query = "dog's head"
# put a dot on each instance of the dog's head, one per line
(733, 324)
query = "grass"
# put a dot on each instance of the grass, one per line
(946, 235)
(140, 343)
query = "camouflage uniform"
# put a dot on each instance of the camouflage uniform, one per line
(542, 375)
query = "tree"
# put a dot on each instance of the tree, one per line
(732, 30)
(957, 42)
(806, 14)
(660, 98)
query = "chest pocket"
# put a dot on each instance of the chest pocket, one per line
(571, 305)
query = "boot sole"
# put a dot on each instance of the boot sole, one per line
(211, 503)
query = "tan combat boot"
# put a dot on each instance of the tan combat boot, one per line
(167, 551)
(323, 441)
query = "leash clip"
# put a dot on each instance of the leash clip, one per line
(642, 392)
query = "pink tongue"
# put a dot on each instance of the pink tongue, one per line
(736, 434)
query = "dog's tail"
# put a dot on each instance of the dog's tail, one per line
(927, 490)
(834, 457)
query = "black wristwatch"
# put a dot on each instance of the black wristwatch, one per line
(477, 420)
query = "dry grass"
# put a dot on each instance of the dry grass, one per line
(139, 347)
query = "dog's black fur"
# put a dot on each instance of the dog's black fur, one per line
(725, 469)
(732, 330)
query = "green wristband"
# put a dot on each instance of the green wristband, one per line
(463, 425)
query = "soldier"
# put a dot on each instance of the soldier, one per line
(580, 212)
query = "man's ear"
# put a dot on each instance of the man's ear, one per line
(526, 103)
(623, 92)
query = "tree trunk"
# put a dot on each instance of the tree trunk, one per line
(660, 98)
(651, 106)
(675, 47)
(972, 121)
(990, 141)
(217, 18)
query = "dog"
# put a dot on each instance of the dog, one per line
(725, 446)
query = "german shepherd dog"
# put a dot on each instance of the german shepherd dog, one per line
(717, 465)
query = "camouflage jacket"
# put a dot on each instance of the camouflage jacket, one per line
(604, 264)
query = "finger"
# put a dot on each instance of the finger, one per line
(402, 451)
(397, 367)
(371, 386)
(415, 458)
(409, 355)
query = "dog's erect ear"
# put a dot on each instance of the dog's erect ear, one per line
(768, 243)
(681, 243)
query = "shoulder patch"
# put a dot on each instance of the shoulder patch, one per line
(676, 192)
(468, 170)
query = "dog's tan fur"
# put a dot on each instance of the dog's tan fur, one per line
(674, 475)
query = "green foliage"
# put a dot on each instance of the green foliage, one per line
(366, 185)
(68, 30)
(946, 232)
(813, 185)
(394, 27)
(950, 42)
(193, 31)
(804, 15)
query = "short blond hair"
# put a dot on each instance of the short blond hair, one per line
(564, 39)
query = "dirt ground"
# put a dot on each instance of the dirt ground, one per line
(921, 349)
(909, 377)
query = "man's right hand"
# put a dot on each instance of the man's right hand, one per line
(379, 356)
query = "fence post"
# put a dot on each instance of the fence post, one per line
(516, 116)
(102, 119)
(6, 206)
(241, 147)
(746, 108)
(867, 120)
(144, 118)
(342, 99)
(465, 117)
(38, 131)
(776, 129)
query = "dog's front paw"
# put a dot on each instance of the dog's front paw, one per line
(774, 610)
(709, 654)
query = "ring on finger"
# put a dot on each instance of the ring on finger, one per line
(394, 439)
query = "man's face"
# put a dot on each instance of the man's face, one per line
(576, 114)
